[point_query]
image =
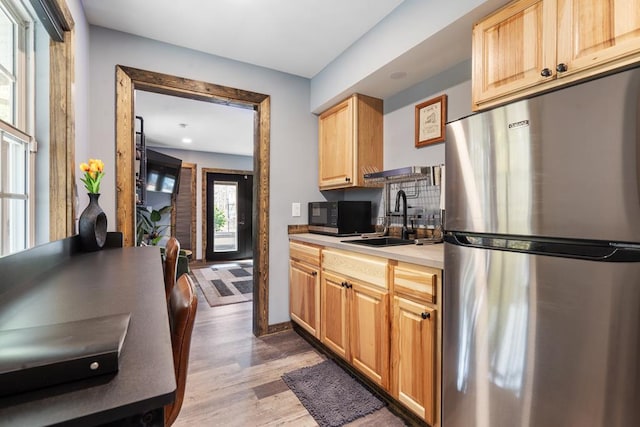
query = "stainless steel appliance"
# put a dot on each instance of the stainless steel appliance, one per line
(542, 249)
(340, 218)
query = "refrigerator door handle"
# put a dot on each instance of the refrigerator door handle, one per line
(577, 249)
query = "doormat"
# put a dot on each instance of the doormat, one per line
(228, 283)
(330, 394)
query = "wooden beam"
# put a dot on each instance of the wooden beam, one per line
(125, 158)
(64, 14)
(62, 193)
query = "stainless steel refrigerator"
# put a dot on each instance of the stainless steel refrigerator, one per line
(541, 300)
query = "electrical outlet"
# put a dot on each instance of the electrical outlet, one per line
(295, 209)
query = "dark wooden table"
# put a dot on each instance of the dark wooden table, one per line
(86, 285)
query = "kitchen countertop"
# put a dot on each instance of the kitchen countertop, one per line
(431, 255)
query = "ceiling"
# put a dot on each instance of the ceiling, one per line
(294, 36)
(298, 37)
(209, 127)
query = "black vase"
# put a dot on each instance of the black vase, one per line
(93, 225)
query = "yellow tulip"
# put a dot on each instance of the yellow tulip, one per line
(93, 173)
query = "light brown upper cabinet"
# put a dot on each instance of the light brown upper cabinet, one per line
(350, 142)
(531, 46)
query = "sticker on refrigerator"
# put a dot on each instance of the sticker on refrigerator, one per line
(521, 123)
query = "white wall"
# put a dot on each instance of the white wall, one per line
(399, 117)
(399, 125)
(80, 90)
(206, 160)
(293, 149)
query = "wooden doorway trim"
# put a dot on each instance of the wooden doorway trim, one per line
(192, 186)
(127, 81)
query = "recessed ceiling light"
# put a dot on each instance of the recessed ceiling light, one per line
(187, 140)
(398, 75)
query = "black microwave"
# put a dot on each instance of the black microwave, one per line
(342, 218)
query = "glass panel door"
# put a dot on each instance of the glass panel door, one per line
(229, 217)
(225, 205)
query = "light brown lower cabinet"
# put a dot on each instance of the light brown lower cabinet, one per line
(334, 330)
(381, 316)
(413, 355)
(415, 327)
(304, 297)
(304, 286)
(355, 324)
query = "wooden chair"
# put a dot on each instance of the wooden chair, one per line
(183, 303)
(171, 252)
(183, 263)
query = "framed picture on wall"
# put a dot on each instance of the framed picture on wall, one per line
(431, 117)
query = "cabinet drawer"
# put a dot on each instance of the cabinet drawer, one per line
(416, 281)
(372, 270)
(306, 253)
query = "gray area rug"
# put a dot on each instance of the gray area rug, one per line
(330, 394)
(228, 283)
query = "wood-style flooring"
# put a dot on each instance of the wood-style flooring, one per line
(234, 377)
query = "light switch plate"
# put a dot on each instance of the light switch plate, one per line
(295, 209)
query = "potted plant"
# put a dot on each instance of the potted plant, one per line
(147, 228)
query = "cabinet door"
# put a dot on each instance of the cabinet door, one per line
(413, 356)
(512, 47)
(369, 331)
(304, 296)
(594, 32)
(334, 332)
(336, 146)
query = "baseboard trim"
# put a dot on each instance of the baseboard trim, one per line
(279, 327)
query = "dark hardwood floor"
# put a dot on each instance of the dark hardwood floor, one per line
(234, 377)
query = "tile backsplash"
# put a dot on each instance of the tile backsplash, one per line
(423, 204)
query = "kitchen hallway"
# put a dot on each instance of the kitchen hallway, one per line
(234, 377)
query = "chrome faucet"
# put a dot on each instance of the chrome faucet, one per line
(405, 230)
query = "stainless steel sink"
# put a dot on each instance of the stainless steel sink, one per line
(380, 242)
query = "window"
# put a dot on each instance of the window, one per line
(14, 185)
(7, 75)
(16, 126)
(16, 46)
